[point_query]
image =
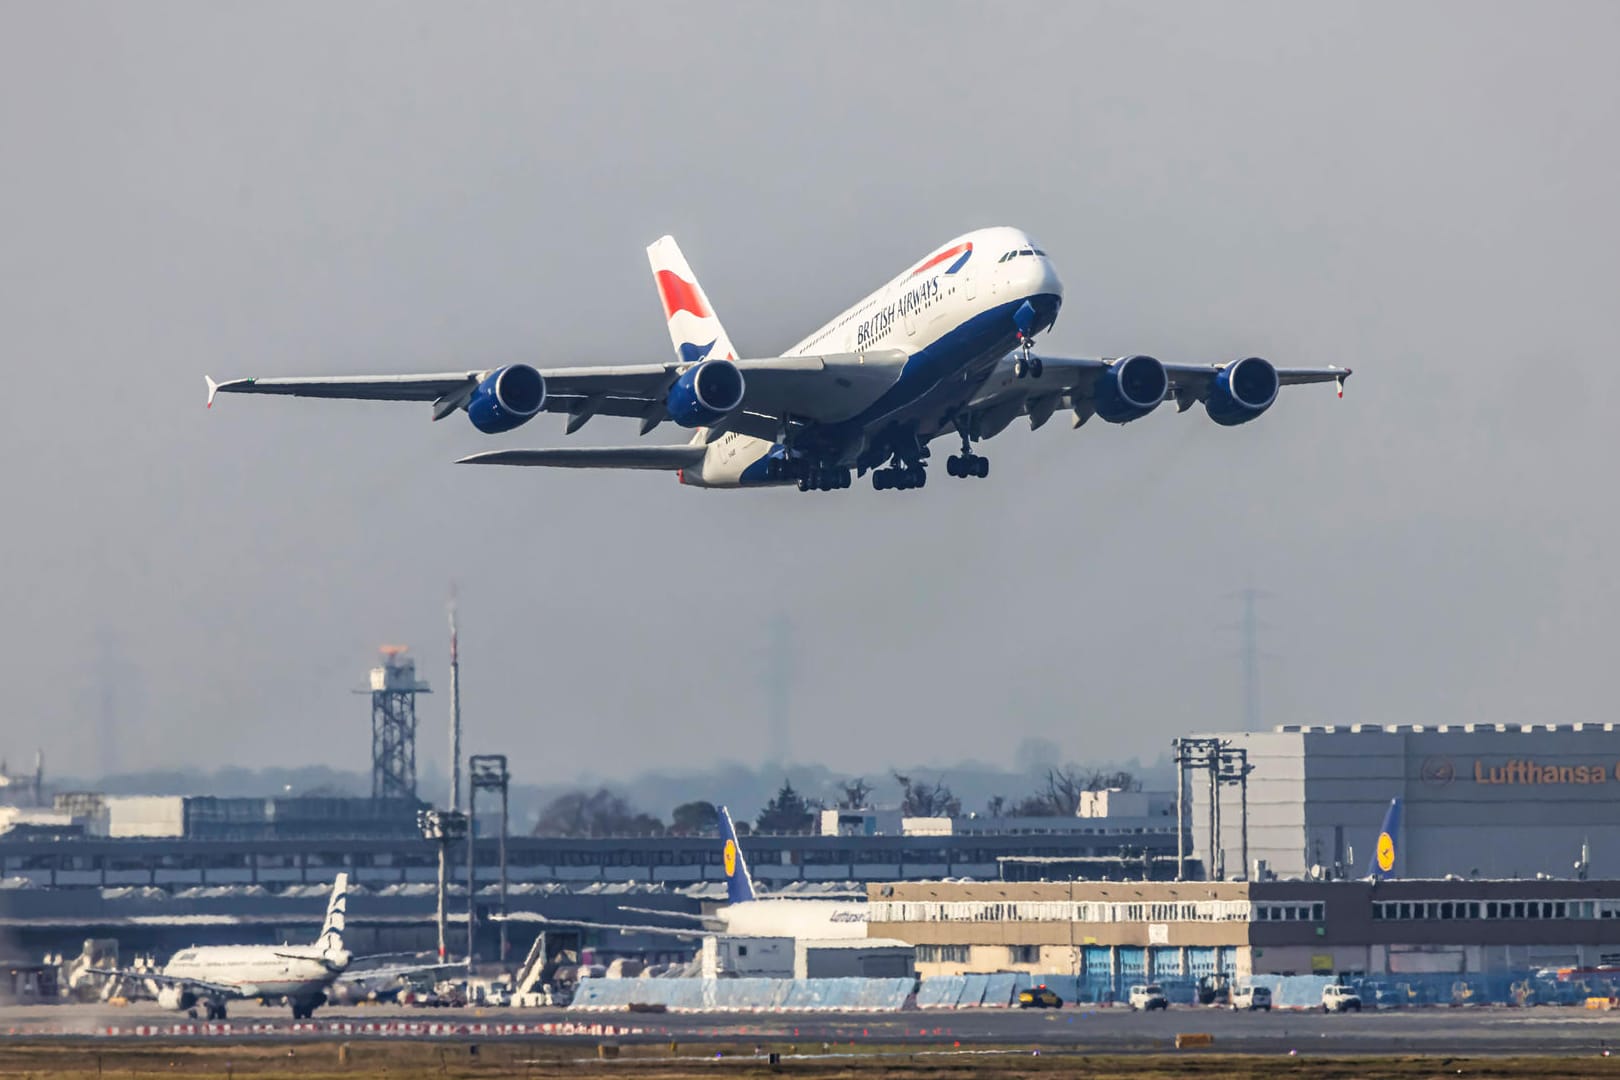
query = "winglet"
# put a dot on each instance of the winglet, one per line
(213, 388)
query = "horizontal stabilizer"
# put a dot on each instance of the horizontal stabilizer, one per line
(657, 458)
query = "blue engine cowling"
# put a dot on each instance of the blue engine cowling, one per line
(704, 393)
(1130, 389)
(507, 397)
(1243, 390)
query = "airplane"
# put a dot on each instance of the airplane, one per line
(211, 975)
(944, 348)
(1382, 864)
(746, 913)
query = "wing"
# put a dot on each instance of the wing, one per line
(395, 971)
(820, 389)
(657, 458)
(220, 989)
(1070, 382)
(670, 931)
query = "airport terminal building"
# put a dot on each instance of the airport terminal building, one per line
(1480, 800)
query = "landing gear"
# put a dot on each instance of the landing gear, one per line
(1027, 363)
(824, 478)
(212, 1010)
(967, 463)
(899, 479)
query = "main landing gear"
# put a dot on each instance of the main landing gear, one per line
(1027, 363)
(899, 478)
(824, 478)
(967, 463)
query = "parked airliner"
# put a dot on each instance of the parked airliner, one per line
(745, 913)
(207, 976)
(945, 348)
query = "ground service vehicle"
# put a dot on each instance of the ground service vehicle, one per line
(1148, 997)
(1339, 998)
(1039, 997)
(1251, 998)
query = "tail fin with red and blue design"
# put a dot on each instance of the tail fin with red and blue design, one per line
(694, 329)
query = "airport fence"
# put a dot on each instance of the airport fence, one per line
(745, 995)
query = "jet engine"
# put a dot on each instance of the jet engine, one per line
(175, 998)
(507, 397)
(704, 393)
(1130, 388)
(1243, 390)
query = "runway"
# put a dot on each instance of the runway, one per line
(1487, 1030)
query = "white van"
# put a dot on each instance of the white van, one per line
(1251, 998)
(1149, 997)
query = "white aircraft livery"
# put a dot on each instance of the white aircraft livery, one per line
(745, 912)
(207, 976)
(947, 347)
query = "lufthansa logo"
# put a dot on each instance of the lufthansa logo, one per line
(1386, 852)
(1438, 771)
(730, 857)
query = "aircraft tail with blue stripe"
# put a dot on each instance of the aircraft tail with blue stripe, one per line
(739, 886)
(1382, 864)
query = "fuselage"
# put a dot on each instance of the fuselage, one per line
(266, 971)
(816, 920)
(952, 314)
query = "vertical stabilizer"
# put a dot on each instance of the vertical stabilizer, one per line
(1385, 850)
(694, 329)
(331, 939)
(739, 886)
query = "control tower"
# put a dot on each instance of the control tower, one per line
(394, 687)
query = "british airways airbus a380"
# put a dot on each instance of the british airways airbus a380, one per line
(947, 347)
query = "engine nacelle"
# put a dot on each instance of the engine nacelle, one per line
(1130, 389)
(507, 397)
(1243, 390)
(704, 393)
(175, 998)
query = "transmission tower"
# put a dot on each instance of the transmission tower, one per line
(393, 725)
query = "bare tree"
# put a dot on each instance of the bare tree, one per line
(855, 794)
(598, 813)
(921, 799)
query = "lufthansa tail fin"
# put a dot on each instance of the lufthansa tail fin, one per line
(694, 328)
(1384, 852)
(331, 939)
(739, 886)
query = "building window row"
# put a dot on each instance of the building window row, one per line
(1290, 912)
(1059, 911)
(1400, 910)
(942, 954)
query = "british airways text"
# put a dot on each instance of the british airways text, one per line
(910, 303)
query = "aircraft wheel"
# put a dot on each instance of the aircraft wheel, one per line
(953, 465)
(981, 467)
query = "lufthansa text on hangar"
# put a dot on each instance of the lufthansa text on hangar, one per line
(1485, 800)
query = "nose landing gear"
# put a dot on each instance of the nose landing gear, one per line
(1027, 363)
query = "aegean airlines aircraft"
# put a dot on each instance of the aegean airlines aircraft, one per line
(945, 348)
(209, 976)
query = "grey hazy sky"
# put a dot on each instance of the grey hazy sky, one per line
(1422, 191)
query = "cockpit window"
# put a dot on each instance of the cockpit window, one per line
(1021, 252)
